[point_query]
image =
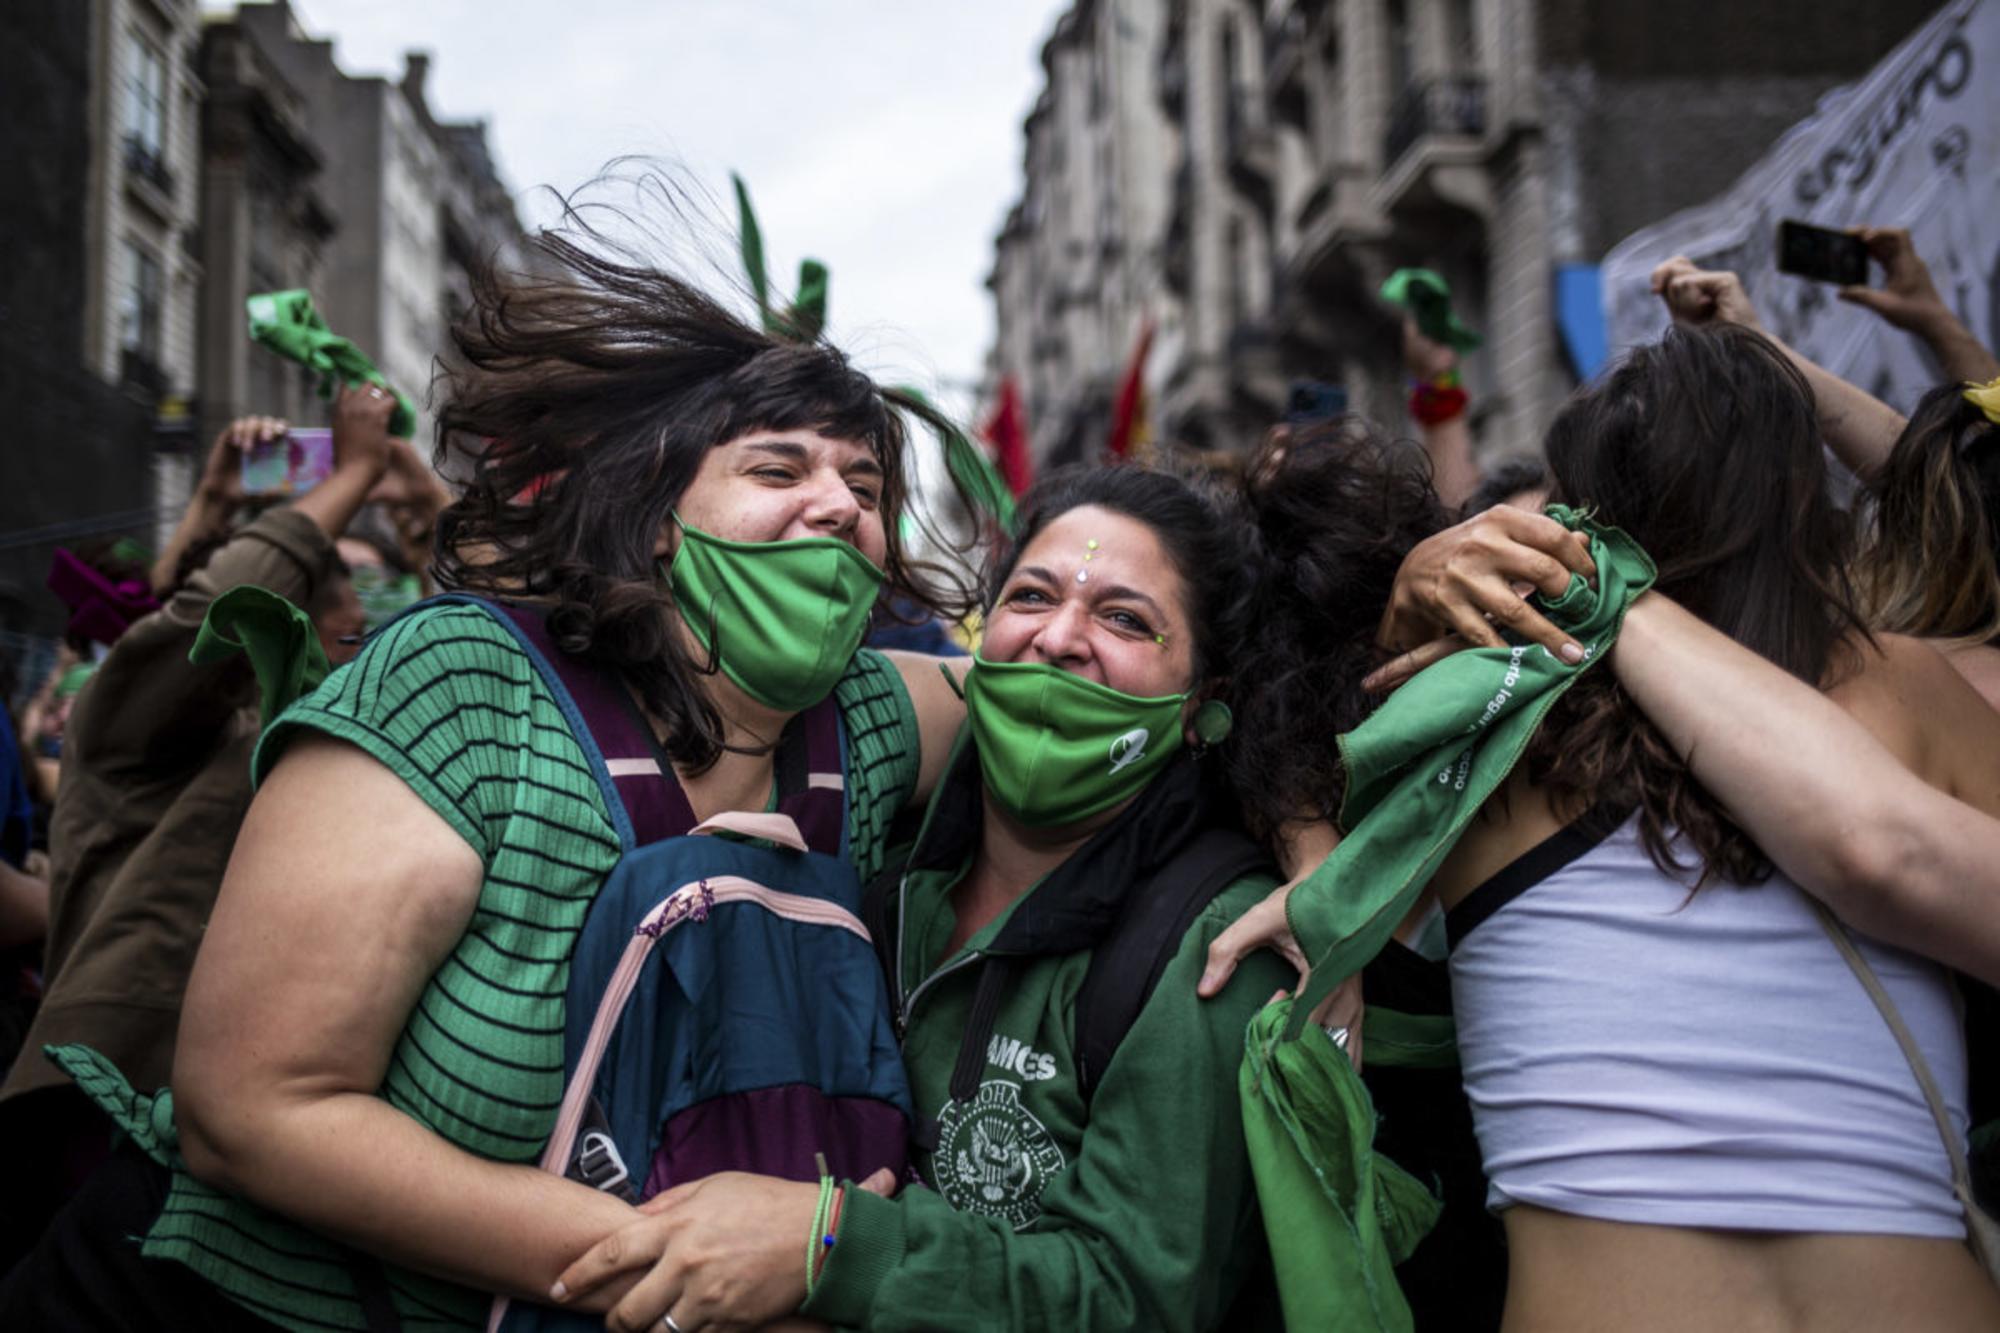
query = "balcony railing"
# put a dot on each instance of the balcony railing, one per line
(1454, 105)
(146, 163)
(138, 370)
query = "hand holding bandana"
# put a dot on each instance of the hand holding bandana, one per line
(286, 323)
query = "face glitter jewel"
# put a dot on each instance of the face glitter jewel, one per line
(1082, 576)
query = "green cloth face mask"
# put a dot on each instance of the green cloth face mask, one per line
(783, 619)
(1056, 748)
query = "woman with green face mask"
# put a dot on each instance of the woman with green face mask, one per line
(696, 519)
(1079, 1139)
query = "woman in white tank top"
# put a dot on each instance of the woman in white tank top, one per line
(1691, 1114)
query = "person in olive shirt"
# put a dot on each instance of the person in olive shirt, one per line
(156, 767)
(1052, 1196)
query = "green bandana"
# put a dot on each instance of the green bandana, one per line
(783, 619)
(1428, 299)
(1424, 763)
(1338, 1214)
(1056, 748)
(279, 639)
(286, 323)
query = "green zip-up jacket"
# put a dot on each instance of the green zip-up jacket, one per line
(1135, 1210)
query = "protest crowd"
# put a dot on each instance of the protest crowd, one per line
(630, 862)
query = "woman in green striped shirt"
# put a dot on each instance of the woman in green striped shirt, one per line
(371, 1050)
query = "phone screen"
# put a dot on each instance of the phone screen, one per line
(1822, 254)
(289, 465)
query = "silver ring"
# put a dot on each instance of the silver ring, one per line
(667, 1322)
(1337, 1035)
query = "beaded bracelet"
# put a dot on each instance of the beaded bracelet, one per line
(817, 1239)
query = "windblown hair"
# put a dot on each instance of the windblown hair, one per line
(1336, 509)
(1928, 561)
(1703, 447)
(582, 399)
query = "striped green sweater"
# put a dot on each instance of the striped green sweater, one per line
(448, 701)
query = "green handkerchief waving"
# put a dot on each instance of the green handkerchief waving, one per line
(1427, 296)
(1421, 766)
(286, 323)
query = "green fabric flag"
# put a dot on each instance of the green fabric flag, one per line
(283, 646)
(1427, 296)
(978, 479)
(286, 323)
(1422, 765)
(805, 319)
(1339, 1216)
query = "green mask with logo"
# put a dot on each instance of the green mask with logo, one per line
(1056, 748)
(783, 619)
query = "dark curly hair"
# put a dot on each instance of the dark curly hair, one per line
(1336, 509)
(582, 399)
(1704, 448)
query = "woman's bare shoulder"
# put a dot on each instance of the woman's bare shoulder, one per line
(1979, 663)
(1912, 699)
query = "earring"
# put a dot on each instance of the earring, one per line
(1212, 722)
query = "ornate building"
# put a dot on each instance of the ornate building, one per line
(1301, 150)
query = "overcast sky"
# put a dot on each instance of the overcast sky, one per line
(880, 136)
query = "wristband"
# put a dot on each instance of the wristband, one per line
(1436, 401)
(818, 1239)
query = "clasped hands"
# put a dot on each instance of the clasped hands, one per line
(725, 1252)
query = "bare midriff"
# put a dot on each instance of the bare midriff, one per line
(1569, 1273)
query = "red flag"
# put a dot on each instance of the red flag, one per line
(1129, 427)
(1007, 431)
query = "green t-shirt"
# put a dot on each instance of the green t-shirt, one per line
(448, 701)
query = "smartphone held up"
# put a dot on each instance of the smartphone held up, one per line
(1822, 254)
(288, 465)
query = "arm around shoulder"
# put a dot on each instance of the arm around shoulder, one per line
(934, 685)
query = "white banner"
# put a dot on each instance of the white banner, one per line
(1915, 144)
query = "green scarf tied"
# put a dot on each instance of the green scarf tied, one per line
(279, 638)
(1422, 765)
(286, 323)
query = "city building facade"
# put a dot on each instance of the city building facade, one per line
(141, 223)
(1077, 269)
(165, 165)
(79, 452)
(265, 224)
(418, 201)
(1317, 145)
